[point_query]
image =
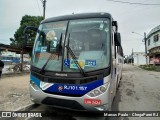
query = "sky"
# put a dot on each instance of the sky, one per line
(130, 17)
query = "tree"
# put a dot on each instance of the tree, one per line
(27, 20)
(13, 42)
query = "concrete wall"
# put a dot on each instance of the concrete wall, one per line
(139, 58)
(150, 37)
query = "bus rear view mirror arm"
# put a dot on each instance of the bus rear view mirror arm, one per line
(26, 36)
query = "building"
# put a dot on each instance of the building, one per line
(153, 45)
(139, 58)
(8, 53)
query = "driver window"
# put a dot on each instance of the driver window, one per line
(97, 39)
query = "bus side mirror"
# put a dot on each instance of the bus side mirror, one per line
(25, 40)
(114, 23)
(117, 38)
(26, 35)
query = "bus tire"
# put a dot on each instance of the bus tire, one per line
(121, 77)
(34, 103)
(117, 84)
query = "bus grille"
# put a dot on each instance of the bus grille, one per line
(64, 94)
(63, 103)
(65, 80)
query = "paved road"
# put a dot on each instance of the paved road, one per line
(138, 91)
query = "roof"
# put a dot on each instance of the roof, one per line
(16, 49)
(154, 30)
(77, 16)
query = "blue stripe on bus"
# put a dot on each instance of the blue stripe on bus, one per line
(35, 80)
(70, 88)
(74, 89)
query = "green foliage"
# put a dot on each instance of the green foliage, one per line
(150, 67)
(27, 20)
(13, 42)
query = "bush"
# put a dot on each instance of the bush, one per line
(150, 67)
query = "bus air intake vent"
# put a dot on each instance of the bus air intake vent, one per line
(63, 103)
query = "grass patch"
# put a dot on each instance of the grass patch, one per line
(150, 67)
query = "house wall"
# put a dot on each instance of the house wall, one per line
(139, 58)
(153, 44)
(153, 47)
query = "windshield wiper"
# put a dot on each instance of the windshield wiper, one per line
(75, 60)
(42, 70)
(68, 45)
(59, 46)
(58, 50)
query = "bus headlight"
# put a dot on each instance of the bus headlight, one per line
(34, 85)
(102, 89)
(97, 91)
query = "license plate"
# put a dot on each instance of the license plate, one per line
(92, 101)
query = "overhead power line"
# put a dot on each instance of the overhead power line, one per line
(133, 3)
(39, 7)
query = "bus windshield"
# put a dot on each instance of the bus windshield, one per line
(88, 40)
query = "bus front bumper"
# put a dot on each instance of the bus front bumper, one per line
(83, 103)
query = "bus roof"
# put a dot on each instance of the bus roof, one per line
(77, 16)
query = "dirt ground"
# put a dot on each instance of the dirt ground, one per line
(14, 93)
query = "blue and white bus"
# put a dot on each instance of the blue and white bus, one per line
(120, 62)
(74, 62)
(10, 59)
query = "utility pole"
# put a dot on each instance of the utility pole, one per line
(132, 56)
(145, 43)
(21, 65)
(44, 7)
(21, 60)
